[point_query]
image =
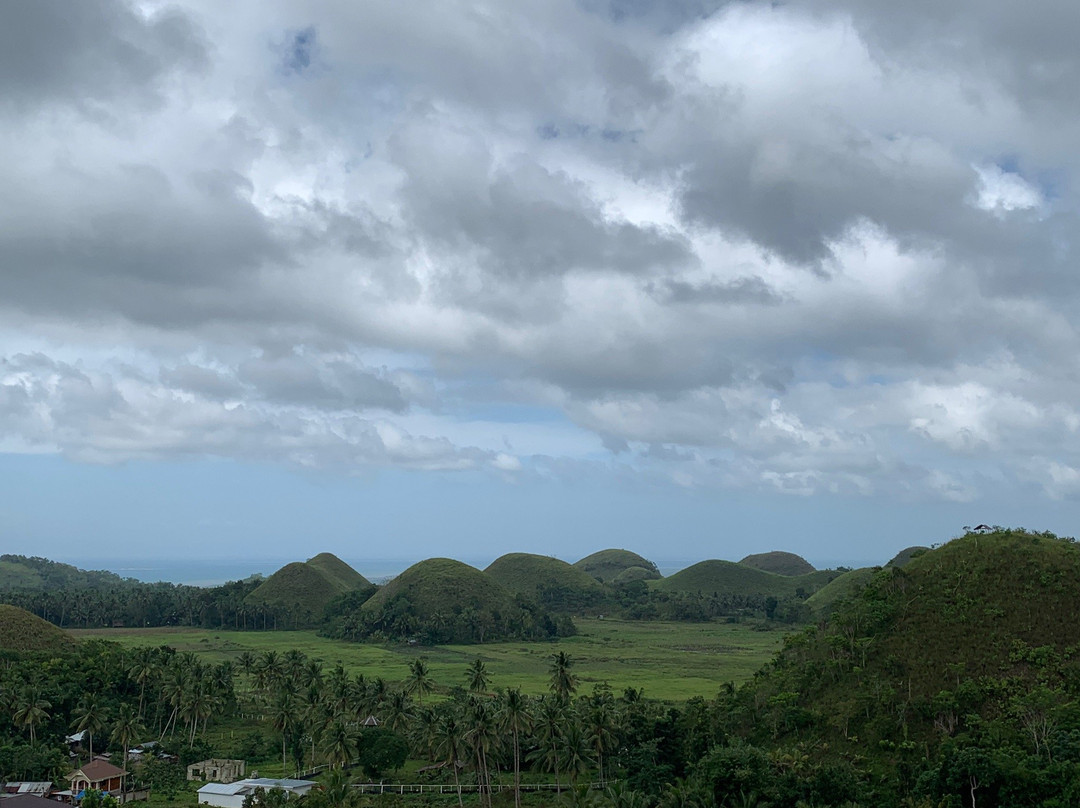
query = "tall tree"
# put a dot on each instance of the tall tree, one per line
(32, 710)
(126, 727)
(283, 717)
(477, 676)
(419, 681)
(89, 716)
(451, 746)
(515, 718)
(563, 681)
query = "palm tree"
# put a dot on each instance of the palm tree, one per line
(515, 718)
(31, 710)
(398, 711)
(89, 717)
(142, 670)
(125, 728)
(419, 681)
(477, 675)
(563, 682)
(451, 746)
(339, 743)
(481, 734)
(282, 715)
(425, 731)
(549, 730)
(600, 726)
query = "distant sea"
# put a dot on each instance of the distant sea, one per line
(215, 573)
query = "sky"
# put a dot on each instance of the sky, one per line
(398, 280)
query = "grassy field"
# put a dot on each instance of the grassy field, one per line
(674, 661)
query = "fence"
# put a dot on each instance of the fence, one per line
(466, 788)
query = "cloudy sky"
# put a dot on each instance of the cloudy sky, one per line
(405, 279)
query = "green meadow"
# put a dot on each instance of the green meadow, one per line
(672, 661)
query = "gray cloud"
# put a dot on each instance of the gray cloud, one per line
(815, 246)
(91, 53)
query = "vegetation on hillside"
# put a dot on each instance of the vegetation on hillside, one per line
(552, 583)
(779, 562)
(441, 600)
(31, 573)
(838, 589)
(22, 631)
(906, 555)
(303, 590)
(606, 565)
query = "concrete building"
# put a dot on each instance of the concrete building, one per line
(220, 770)
(231, 795)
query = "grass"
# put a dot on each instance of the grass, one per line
(673, 661)
(22, 631)
(527, 574)
(607, 564)
(779, 562)
(729, 578)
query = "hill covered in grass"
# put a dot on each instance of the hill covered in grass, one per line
(549, 581)
(339, 573)
(22, 631)
(715, 577)
(304, 589)
(779, 563)
(839, 588)
(965, 656)
(606, 565)
(906, 555)
(441, 600)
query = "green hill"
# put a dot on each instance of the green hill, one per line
(298, 591)
(716, 577)
(779, 562)
(607, 564)
(340, 573)
(980, 630)
(844, 586)
(549, 581)
(635, 574)
(906, 555)
(22, 631)
(32, 573)
(442, 600)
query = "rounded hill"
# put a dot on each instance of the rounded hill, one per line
(340, 573)
(608, 564)
(962, 633)
(779, 563)
(836, 590)
(906, 555)
(547, 580)
(298, 590)
(715, 577)
(22, 631)
(442, 586)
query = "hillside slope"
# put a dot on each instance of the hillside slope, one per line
(22, 631)
(606, 565)
(960, 634)
(340, 573)
(550, 581)
(779, 563)
(715, 577)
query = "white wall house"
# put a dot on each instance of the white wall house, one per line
(231, 795)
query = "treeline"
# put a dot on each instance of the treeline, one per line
(133, 603)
